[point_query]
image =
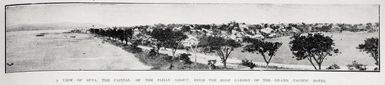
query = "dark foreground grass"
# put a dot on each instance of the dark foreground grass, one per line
(158, 62)
(163, 62)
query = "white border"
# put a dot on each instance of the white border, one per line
(333, 78)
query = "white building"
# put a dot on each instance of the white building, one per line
(267, 30)
(190, 41)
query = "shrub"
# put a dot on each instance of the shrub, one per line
(152, 52)
(248, 63)
(356, 65)
(133, 49)
(185, 58)
(156, 61)
(211, 64)
(334, 66)
(163, 61)
(136, 43)
(167, 58)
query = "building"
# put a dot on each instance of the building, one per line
(190, 41)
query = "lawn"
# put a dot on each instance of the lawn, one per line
(346, 42)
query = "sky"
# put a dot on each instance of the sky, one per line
(147, 14)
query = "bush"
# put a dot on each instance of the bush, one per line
(194, 66)
(248, 63)
(167, 58)
(334, 66)
(133, 49)
(156, 61)
(356, 65)
(152, 52)
(136, 43)
(163, 61)
(185, 58)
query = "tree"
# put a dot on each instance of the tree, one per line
(313, 47)
(174, 41)
(160, 35)
(128, 34)
(266, 49)
(223, 47)
(168, 38)
(120, 35)
(186, 28)
(371, 47)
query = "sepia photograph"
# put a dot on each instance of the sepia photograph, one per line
(81, 36)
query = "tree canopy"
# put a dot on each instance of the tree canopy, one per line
(314, 47)
(262, 47)
(371, 46)
(168, 37)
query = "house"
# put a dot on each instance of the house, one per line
(235, 36)
(272, 35)
(208, 32)
(177, 28)
(243, 26)
(295, 30)
(136, 32)
(267, 30)
(149, 29)
(190, 41)
(335, 28)
(257, 36)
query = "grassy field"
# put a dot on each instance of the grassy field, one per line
(346, 42)
(55, 50)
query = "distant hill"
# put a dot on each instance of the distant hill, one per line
(51, 26)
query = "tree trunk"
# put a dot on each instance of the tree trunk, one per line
(312, 63)
(224, 64)
(171, 66)
(173, 53)
(264, 58)
(157, 50)
(375, 58)
(193, 51)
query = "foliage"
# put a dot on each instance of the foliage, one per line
(168, 38)
(334, 66)
(248, 63)
(162, 61)
(152, 52)
(186, 29)
(185, 58)
(356, 65)
(266, 49)
(313, 47)
(121, 33)
(371, 47)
